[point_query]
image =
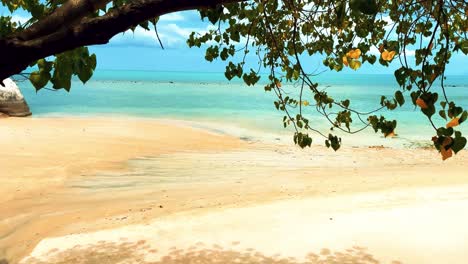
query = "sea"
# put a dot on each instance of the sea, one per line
(208, 100)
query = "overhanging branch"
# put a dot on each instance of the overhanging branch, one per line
(20, 50)
(66, 15)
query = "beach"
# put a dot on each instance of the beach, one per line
(90, 189)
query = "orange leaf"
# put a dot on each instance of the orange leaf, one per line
(354, 54)
(453, 123)
(345, 61)
(388, 55)
(446, 153)
(278, 84)
(420, 102)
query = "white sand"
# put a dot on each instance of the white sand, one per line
(70, 177)
(410, 225)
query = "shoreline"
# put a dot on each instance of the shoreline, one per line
(246, 132)
(105, 173)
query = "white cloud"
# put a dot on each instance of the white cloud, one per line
(183, 32)
(172, 17)
(141, 37)
(171, 35)
(374, 51)
(410, 52)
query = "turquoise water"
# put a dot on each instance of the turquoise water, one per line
(229, 107)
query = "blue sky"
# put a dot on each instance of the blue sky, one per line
(140, 50)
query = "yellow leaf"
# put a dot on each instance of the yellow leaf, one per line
(388, 55)
(420, 102)
(446, 153)
(354, 54)
(453, 123)
(345, 61)
(355, 64)
(278, 84)
(305, 103)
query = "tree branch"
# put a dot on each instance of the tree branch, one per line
(18, 51)
(66, 15)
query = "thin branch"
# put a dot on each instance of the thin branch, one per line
(157, 36)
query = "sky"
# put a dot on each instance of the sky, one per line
(140, 50)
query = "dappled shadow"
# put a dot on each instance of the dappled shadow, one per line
(140, 252)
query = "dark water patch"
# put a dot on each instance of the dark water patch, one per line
(210, 129)
(183, 168)
(103, 186)
(246, 138)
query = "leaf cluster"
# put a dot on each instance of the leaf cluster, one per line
(346, 34)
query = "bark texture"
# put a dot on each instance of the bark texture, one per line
(71, 26)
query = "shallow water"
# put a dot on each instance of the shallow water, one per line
(232, 107)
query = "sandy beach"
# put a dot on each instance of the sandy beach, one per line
(103, 190)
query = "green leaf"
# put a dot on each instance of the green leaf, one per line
(334, 142)
(442, 114)
(345, 103)
(85, 74)
(92, 61)
(442, 131)
(458, 144)
(212, 14)
(44, 65)
(414, 97)
(443, 104)
(368, 7)
(399, 98)
(463, 117)
(400, 76)
(303, 140)
(355, 64)
(39, 79)
(145, 25)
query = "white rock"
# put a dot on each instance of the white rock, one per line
(12, 101)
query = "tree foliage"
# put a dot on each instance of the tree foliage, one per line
(420, 35)
(347, 34)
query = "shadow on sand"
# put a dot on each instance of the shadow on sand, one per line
(140, 252)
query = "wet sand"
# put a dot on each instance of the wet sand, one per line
(72, 176)
(41, 156)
